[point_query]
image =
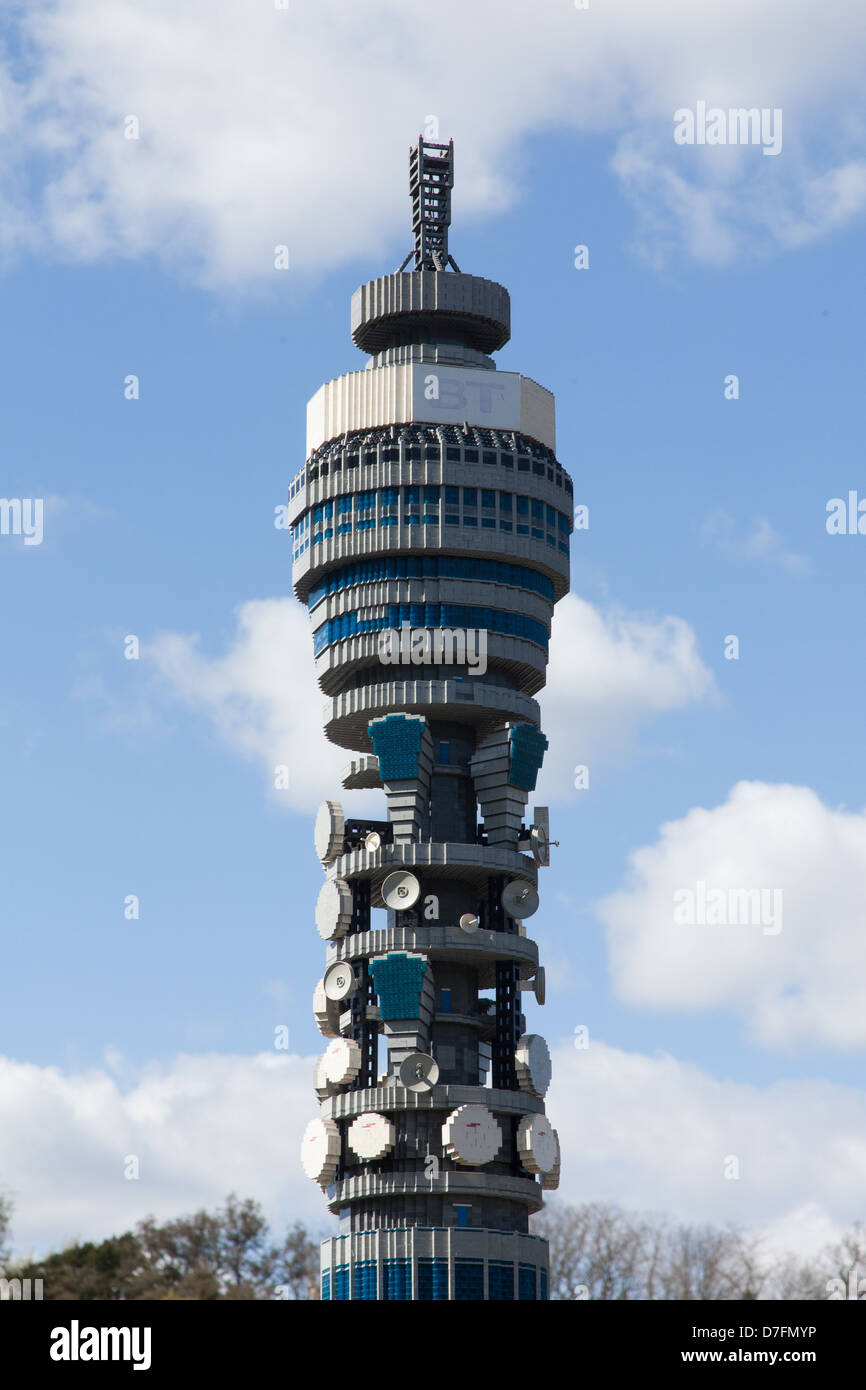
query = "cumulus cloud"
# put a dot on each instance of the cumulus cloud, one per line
(761, 541)
(797, 980)
(608, 676)
(650, 1132)
(261, 696)
(610, 672)
(656, 1133)
(260, 126)
(200, 1127)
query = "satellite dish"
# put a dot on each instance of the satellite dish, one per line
(334, 909)
(326, 1012)
(372, 1136)
(320, 1150)
(400, 890)
(419, 1072)
(342, 1061)
(328, 834)
(469, 921)
(519, 899)
(323, 1087)
(339, 981)
(537, 1144)
(539, 985)
(373, 842)
(532, 1064)
(540, 845)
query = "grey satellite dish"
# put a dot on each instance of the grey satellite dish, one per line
(469, 921)
(328, 834)
(541, 818)
(519, 899)
(540, 845)
(340, 981)
(539, 985)
(419, 1072)
(373, 842)
(400, 890)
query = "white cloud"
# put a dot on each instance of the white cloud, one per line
(262, 696)
(761, 542)
(803, 984)
(261, 126)
(649, 1132)
(200, 1126)
(653, 1133)
(608, 675)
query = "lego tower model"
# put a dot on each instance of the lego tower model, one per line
(430, 541)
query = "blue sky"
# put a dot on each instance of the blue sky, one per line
(707, 518)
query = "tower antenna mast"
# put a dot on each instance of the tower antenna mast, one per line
(431, 179)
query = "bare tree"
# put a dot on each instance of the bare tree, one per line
(599, 1251)
(5, 1221)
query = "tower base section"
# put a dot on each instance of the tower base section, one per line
(432, 1264)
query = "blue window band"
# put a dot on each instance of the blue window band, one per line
(431, 567)
(432, 615)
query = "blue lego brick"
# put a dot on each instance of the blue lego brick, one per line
(398, 980)
(526, 748)
(397, 744)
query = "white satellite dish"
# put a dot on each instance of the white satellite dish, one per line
(334, 909)
(469, 921)
(519, 899)
(373, 842)
(372, 1136)
(540, 985)
(339, 981)
(328, 834)
(532, 1064)
(400, 890)
(342, 1061)
(419, 1072)
(326, 1012)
